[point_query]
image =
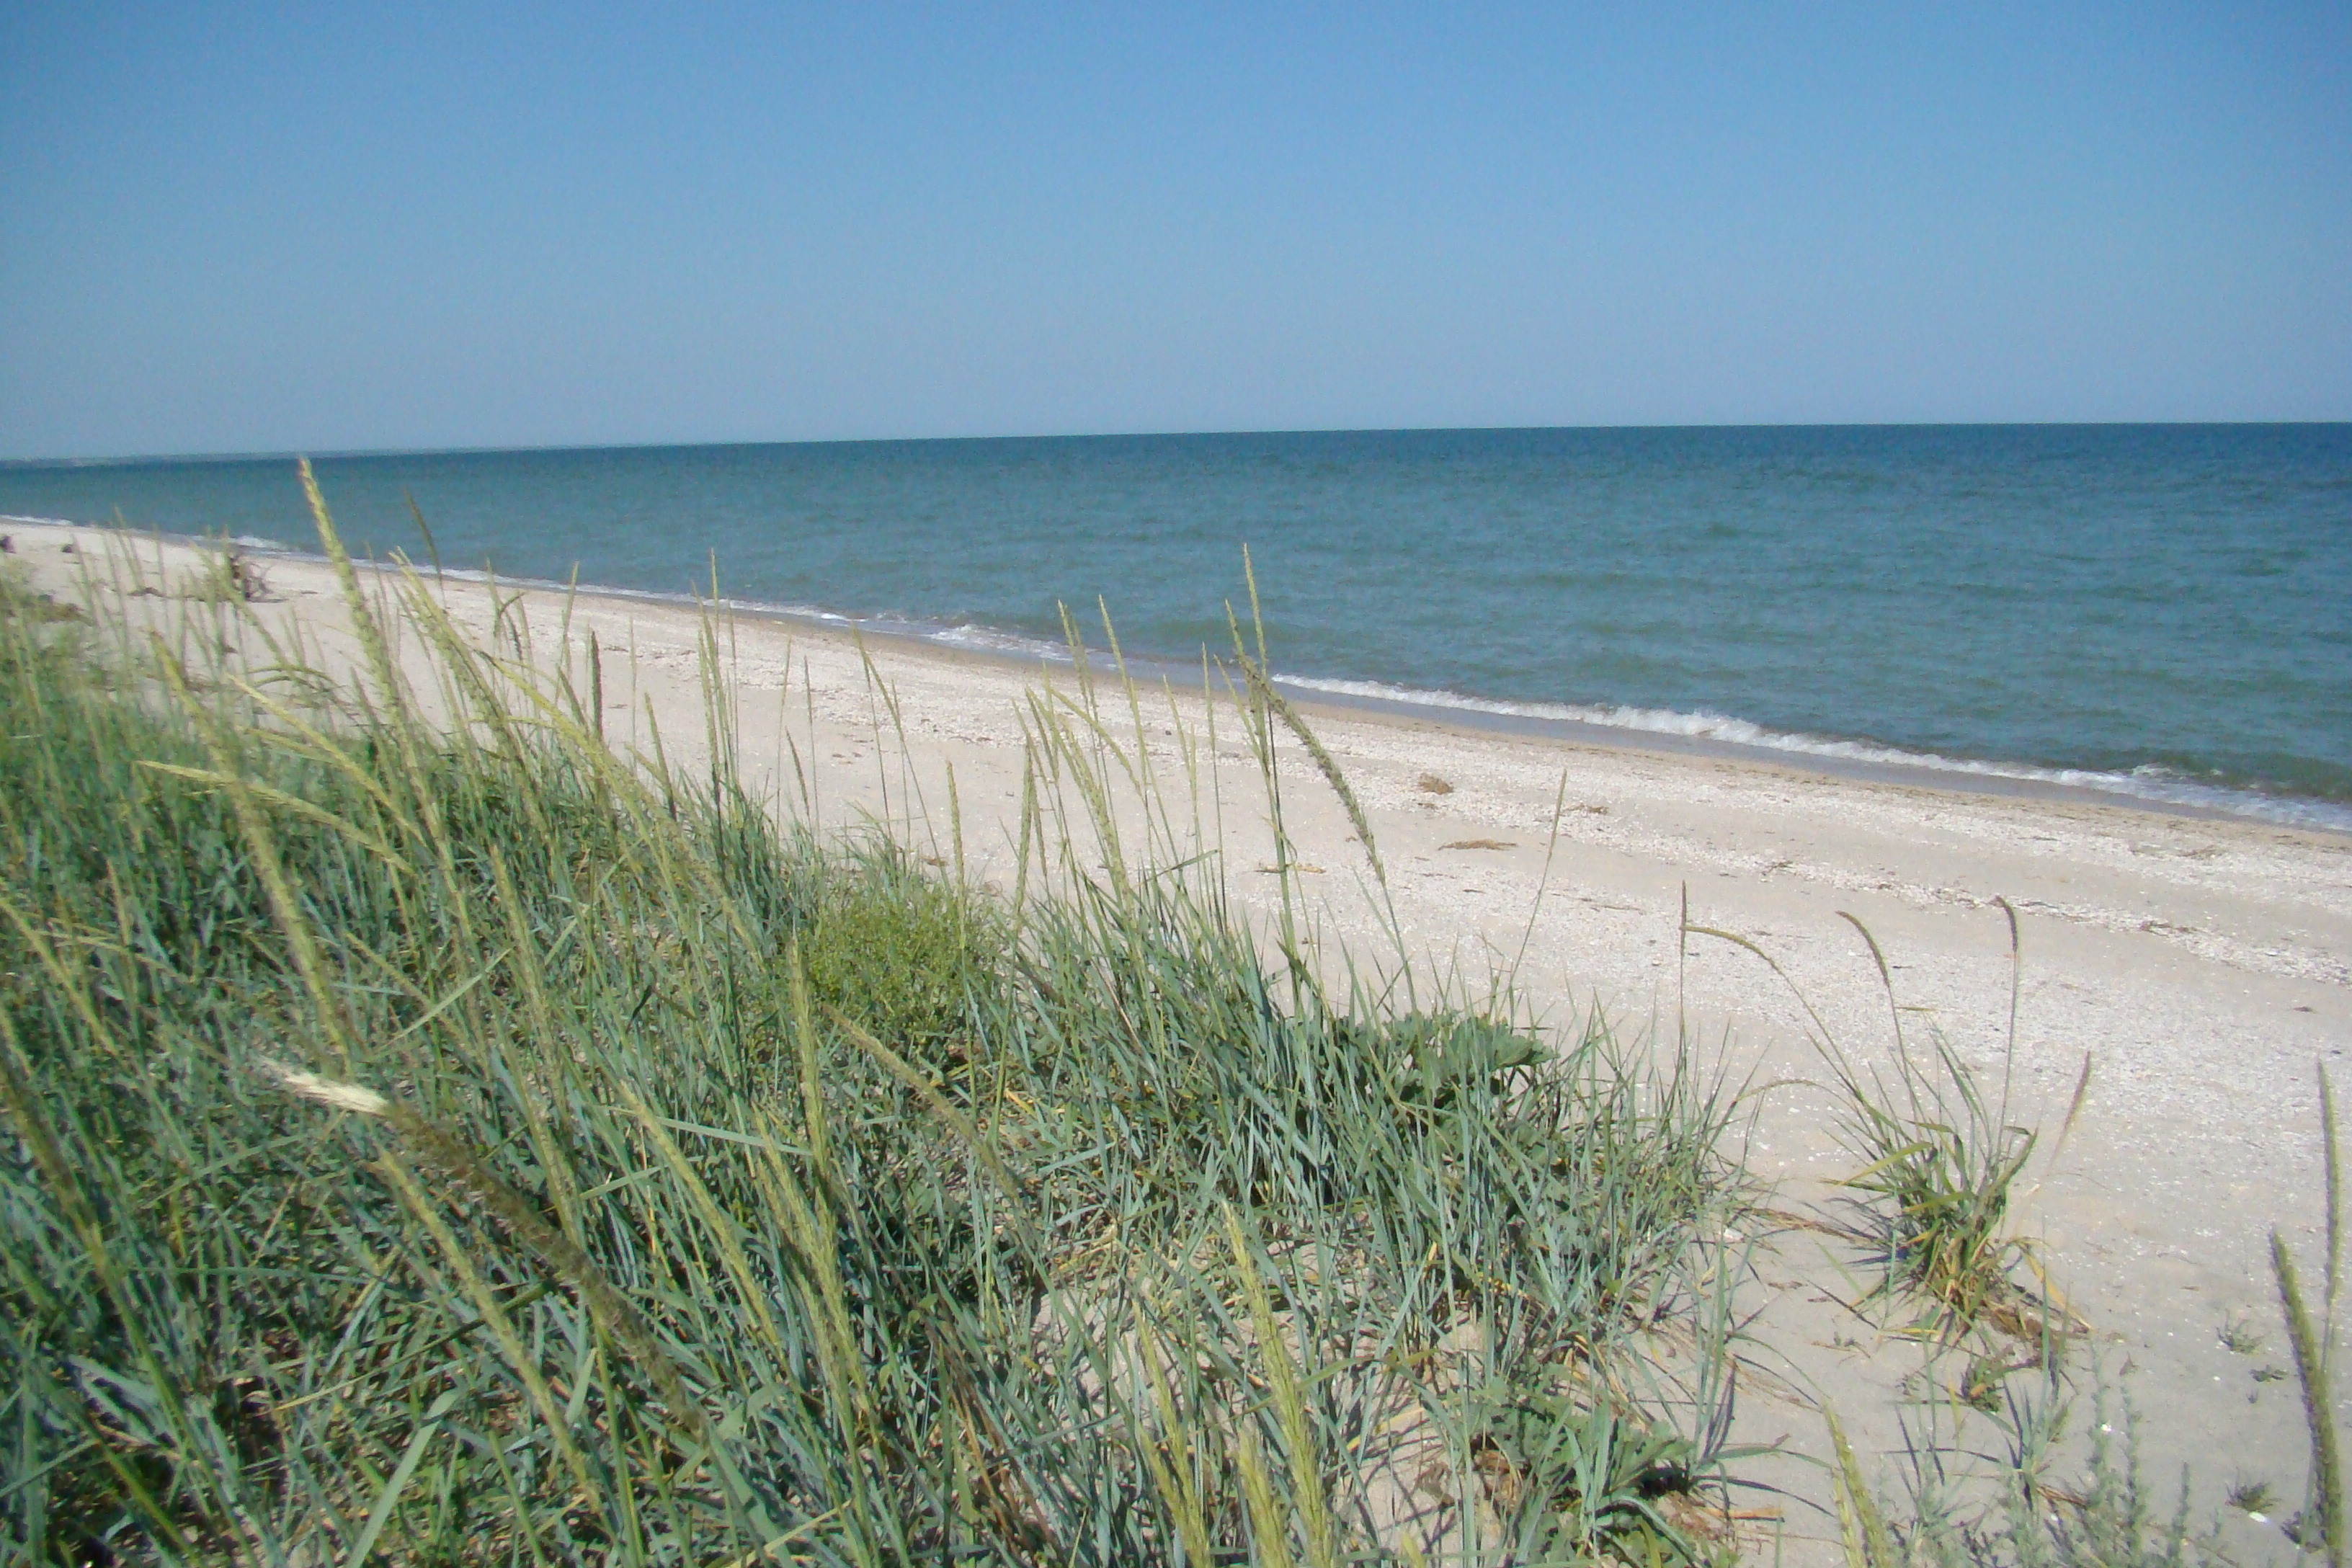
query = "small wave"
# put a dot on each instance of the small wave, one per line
(257, 541)
(2153, 784)
(988, 639)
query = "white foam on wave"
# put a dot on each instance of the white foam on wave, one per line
(2158, 784)
(988, 639)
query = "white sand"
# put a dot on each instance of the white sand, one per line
(2204, 965)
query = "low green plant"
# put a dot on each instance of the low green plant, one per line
(1572, 1479)
(916, 959)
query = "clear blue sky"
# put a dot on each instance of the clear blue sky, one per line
(233, 229)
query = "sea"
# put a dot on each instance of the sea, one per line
(2161, 612)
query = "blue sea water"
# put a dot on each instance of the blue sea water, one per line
(2163, 611)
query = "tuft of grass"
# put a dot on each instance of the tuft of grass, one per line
(2251, 1496)
(1945, 1158)
(1942, 1159)
(22, 604)
(2109, 1518)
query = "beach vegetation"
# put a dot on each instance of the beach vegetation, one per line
(2251, 1495)
(916, 959)
(1942, 1158)
(435, 1135)
(2109, 1518)
(2239, 1337)
(2323, 1524)
(434, 1132)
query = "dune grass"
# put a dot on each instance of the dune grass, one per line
(439, 1138)
(1941, 1159)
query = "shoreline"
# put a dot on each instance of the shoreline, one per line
(1832, 757)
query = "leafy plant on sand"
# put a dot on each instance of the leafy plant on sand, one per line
(439, 1137)
(911, 956)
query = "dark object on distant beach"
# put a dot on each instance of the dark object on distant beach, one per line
(1430, 783)
(1479, 844)
(66, 547)
(7, 545)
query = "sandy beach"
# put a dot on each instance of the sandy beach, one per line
(2202, 964)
